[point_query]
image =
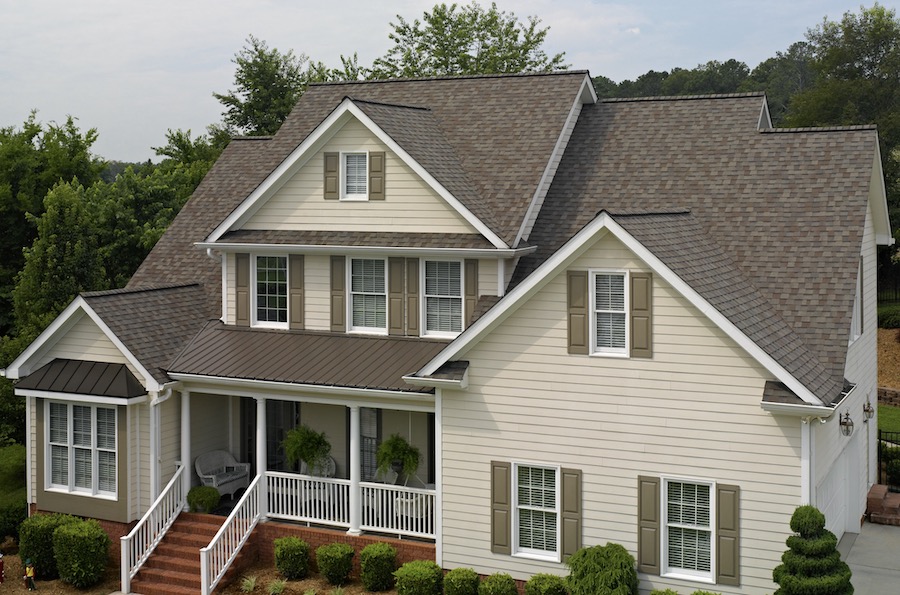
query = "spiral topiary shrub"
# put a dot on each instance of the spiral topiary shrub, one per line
(335, 562)
(377, 562)
(419, 577)
(602, 570)
(812, 565)
(36, 542)
(546, 584)
(292, 557)
(461, 581)
(203, 499)
(82, 552)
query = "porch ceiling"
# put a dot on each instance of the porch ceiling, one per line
(306, 357)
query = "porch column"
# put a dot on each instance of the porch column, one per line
(354, 471)
(261, 456)
(186, 442)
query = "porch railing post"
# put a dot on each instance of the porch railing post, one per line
(354, 471)
(261, 459)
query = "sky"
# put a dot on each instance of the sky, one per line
(133, 70)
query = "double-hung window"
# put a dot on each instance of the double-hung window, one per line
(443, 297)
(368, 295)
(609, 312)
(688, 526)
(536, 500)
(356, 176)
(271, 295)
(82, 448)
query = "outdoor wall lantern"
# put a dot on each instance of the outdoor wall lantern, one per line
(846, 424)
(869, 411)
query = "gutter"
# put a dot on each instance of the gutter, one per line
(290, 248)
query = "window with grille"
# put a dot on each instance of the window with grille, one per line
(609, 303)
(368, 297)
(688, 523)
(356, 175)
(537, 511)
(271, 291)
(82, 448)
(443, 297)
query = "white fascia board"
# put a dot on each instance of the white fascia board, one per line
(304, 152)
(439, 382)
(95, 399)
(341, 249)
(878, 201)
(571, 250)
(797, 410)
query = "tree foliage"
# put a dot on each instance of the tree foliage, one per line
(465, 40)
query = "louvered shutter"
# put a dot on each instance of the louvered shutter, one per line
(295, 277)
(396, 282)
(412, 296)
(728, 535)
(332, 176)
(501, 508)
(376, 176)
(570, 511)
(242, 289)
(648, 525)
(577, 304)
(641, 319)
(471, 291)
(338, 294)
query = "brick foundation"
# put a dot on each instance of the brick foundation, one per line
(115, 531)
(889, 396)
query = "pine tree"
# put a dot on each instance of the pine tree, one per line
(812, 565)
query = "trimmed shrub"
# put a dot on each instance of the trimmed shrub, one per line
(36, 542)
(377, 562)
(666, 592)
(419, 577)
(292, 557)
(812, 565)
(498, 583)
(461, 581)
(335, 562)
(13, 510)
(546, 584)
(702, 593)
(203, 499)
(82, 552)
(889, 316)
(602, 570)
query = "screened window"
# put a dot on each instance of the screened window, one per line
(271, 290)
(82, 448)
(443, 297)
(368, 297)
(537, 511)
(688, 541)
(609, 312)
(356, 175)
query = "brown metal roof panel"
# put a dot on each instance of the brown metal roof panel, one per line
(63, 375)
(84, 378)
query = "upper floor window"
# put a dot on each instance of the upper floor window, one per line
(609, 312)
(368, 295)
(356, 176)
(271, 295)
(443, 297)
(82, 448)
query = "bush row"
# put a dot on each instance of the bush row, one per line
(66, 547)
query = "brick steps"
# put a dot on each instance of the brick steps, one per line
(882, 506)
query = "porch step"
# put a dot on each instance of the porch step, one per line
(882, 506)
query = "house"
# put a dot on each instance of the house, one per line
(643, 321)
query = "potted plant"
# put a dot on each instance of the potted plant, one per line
(398, 454)
(305, 444)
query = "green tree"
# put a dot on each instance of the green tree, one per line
(711, 78)
(454, 40)
(812, 565)
(783, 76)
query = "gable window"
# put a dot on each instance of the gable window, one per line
(82, 448)
(368, 295)
(536, 511)
(271, 295)
(609, 313)
(356, 175)
(688, 528)
(443, 297)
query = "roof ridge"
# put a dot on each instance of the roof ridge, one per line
(684, 97)
(252, 137)
(647, 212)
(139, 289)
(820, 128)
(448, 77)
(383, 104)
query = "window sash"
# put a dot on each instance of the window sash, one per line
(688, 511)
(356, 175)
(271, 293)
(443, 295)
(81, 448)
(537, 510)
(609, 301)
(368, 294)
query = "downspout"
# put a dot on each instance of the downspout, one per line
(30, 469)
(807, 460)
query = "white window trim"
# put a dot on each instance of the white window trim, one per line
(856, 329)
(592, 282)
(70, 488)
(423, 305)
(343, 173)
(514, 484)
(368, 330)
(681, 573)
(254, 295)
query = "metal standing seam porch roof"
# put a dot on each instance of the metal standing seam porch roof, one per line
(84, 378)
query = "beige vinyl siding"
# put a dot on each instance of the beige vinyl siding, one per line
(209, 427)
(487, 276)
(169, 438)
(410, 205)
(231, 284)
(139, 460)
(85, 341)
(693, 411)
(318, 292)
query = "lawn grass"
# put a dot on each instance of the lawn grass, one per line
(12, 489)
(888, 418)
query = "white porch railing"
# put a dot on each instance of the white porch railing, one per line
(146, 535)
(311, 499)
(224, 547)
(397, 509)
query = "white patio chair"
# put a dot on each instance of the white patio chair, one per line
(327, 469)
(219, 469)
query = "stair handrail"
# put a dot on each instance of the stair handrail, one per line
(146, 535)
(216, 557)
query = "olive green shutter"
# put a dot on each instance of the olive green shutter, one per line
(242, 289)
(412, 296)
(338, 295)
(471, 285)
(641, 319)
(396, 282)
(570, 512)
(728, 535)
(577, 304)
(295, 277)
(648, 525)
(376, 176)
(501, 508)
(332, 176)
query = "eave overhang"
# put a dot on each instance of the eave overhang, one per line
(351, 250)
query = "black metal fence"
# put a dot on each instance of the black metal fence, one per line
(889, 459)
